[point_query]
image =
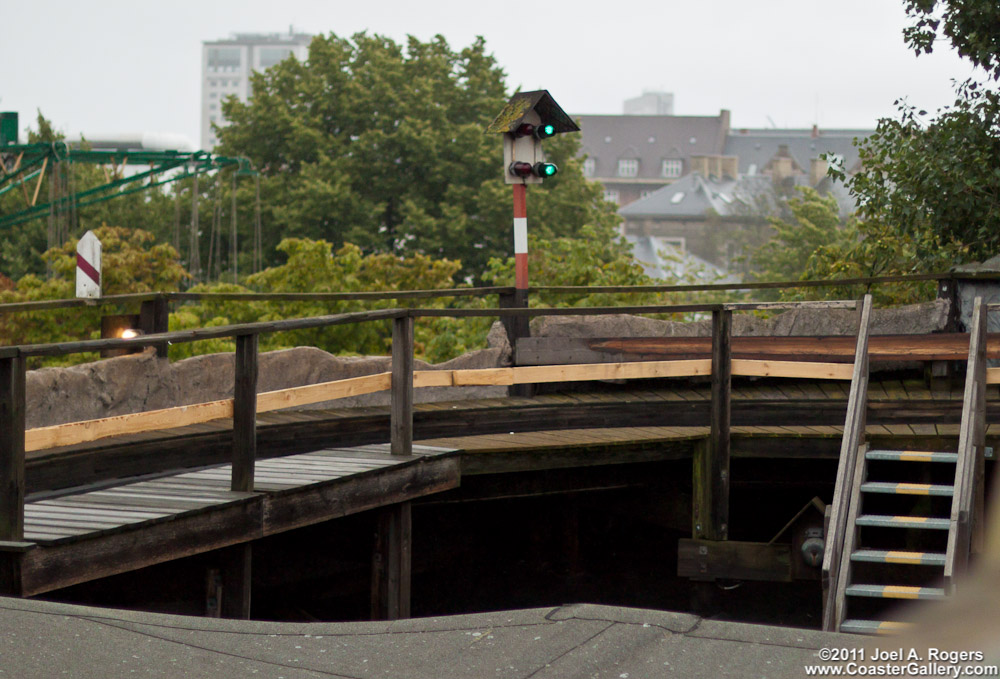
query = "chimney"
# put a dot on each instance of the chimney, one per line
(730, 166)
(817, 170)
(781, 167)
(700, 165)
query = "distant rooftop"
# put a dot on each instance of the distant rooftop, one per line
(756, 147)
(259, 38)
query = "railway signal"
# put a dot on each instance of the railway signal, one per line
(527, 120)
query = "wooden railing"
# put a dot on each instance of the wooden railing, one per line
(966, 528)
(400, 382)
(838, 536)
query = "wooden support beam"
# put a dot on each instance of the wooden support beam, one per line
(245, 413)
(715, 526)
(11, 574)
(401, 409)
(213, 593)
(517, 328)
(236, 578)
(391, 563)
(12, 480)
(154, 318)
(726, 559)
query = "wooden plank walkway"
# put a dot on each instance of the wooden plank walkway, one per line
(80, 536)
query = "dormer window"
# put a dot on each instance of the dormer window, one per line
(628, 168)
(589, 167)
(672, 169)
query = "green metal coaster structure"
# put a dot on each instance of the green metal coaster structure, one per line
(25, 166)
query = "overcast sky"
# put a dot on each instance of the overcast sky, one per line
(116, 66)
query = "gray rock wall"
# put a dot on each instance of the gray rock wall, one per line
(140, 382)
(909, 320)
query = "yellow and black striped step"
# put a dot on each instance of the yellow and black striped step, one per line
(907, 488)
(911, 456)
(924, 522)
(889, 556)
(895, 592)
(880, 627)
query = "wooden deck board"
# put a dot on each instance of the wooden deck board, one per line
(134, 505)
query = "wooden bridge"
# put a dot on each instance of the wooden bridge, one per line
(85, 500)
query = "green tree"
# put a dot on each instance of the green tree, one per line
(371, 143)
(815, 243)
(814, 223)
(935, 179)
(969, 25)
(313, 266)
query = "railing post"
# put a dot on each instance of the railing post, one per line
(245, 413)
(401, 411)
(516, 327)
(12, 417)
(712, 465)
(154, 318)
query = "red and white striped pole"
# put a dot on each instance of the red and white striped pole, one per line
(521, 238)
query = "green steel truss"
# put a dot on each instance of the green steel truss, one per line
(22, 165)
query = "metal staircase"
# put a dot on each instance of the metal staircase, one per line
(903, 523)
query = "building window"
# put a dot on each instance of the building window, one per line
(644, 194)
(212, 107)
(611, 195)
(672, 168)
(677, 242)
(628, 168)
(269, 56)
(226, 58)
(589, 166)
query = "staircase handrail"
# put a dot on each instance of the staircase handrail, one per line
(854, 435)
(967, 501)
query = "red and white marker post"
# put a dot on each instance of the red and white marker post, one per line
(88, 266)
(521, 239)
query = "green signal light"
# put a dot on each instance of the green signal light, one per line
(544, 170)
(545, 131)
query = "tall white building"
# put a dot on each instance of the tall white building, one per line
(226, 67)
(650, 104)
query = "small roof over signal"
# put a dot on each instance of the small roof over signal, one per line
(539, 101)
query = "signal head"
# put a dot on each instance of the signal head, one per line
(544, 170)
(545, 130)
